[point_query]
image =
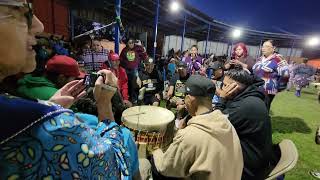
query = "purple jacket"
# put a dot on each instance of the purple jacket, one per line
(193, 65)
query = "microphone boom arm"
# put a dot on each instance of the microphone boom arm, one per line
(95, 30)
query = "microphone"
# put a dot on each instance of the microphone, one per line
(118, 21)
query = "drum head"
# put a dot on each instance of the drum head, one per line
(147, 118)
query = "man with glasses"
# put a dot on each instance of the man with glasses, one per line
(208, 147)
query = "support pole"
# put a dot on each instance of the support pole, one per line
(117, 28)
(259, 51)
(184, 31)
(72, 14)
(208, 35)
(156, 21)
(293, 42)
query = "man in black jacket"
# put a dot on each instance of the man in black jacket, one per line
(244, 103)
(150, 84)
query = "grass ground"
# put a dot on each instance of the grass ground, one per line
(297, 119)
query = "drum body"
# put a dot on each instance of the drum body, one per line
(149, 125)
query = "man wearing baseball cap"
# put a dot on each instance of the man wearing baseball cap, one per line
(215, 72)
(150, 84)
(176, 84)
(59, 71)
(208, 147)
(121, 74)
(176, 92)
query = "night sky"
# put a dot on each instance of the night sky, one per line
(296, 16)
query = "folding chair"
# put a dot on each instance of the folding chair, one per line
(288, 159)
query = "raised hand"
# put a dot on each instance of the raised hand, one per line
(69, 94)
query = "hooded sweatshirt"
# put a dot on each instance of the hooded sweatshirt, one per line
(130, 59)
(208, 148)
(36, 87)
(248, 114)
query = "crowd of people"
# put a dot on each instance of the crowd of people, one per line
(57, 126)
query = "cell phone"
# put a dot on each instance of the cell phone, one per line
(90, 79)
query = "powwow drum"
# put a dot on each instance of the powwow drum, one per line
(150, 125)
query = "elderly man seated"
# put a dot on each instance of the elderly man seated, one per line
(208, 147)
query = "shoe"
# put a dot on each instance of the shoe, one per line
(315, 174)
(298, 93)
(281, 177)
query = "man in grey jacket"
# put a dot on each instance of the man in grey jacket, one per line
(208, 147)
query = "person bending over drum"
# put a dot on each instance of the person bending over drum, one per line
(150, 83)
(208, 147)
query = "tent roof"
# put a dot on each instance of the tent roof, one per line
(142, 12)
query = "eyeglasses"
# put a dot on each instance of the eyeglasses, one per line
(26, 8)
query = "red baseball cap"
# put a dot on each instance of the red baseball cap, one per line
(114, 57)
(64, 65)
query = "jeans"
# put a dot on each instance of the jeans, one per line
(132, 84)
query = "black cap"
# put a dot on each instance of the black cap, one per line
(198, 85)
(216, 65)
(181, 64)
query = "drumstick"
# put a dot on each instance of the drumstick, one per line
(138, 117)
(135, 114)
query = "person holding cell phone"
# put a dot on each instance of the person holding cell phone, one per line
(194, 61)
(44, 139)
(240, 56)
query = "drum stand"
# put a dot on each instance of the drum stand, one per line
(142, 150)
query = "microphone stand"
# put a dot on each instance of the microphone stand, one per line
(91, 35)
(94, 30)
(92, 56)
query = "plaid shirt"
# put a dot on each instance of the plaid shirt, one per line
(94, 64)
